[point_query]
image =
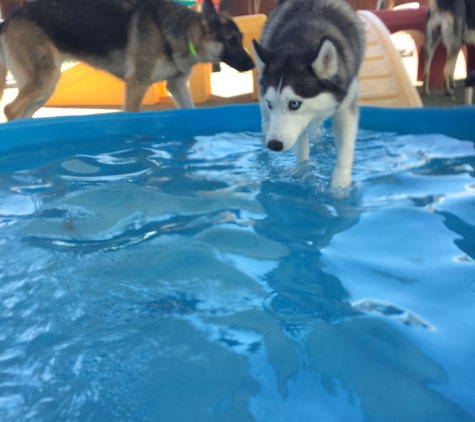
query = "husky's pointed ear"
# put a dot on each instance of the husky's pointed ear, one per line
(325, 65)
(209, 13)
(262, 54)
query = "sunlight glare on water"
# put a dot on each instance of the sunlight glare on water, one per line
(157, 280)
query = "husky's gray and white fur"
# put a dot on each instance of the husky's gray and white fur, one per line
(453, 21)
(308, 60)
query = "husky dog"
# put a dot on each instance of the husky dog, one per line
(454, 22)
(308, 60)
(139, 41)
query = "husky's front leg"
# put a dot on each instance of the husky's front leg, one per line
(178, 87)
(301, 148)
(345, 126)
(265, 120)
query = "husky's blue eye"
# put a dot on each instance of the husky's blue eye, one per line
(294, 105)
(269, 104)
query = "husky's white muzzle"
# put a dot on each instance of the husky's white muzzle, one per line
(288, 116)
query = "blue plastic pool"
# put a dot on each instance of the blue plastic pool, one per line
(164, 267)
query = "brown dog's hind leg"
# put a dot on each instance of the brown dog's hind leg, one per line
(17, 108)
(31, 97)
(34, 62)
(134, 94)
(27, 102)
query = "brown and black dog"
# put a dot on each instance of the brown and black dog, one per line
(139, 41)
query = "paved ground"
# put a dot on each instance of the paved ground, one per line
(437, 98)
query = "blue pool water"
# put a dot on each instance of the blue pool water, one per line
(198, 278)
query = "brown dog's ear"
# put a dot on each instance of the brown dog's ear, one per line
(210, 16)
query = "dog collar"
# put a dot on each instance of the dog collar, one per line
(192, 48)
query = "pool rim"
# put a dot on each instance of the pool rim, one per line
(453, 122)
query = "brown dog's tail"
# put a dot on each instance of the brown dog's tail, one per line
(3, 69)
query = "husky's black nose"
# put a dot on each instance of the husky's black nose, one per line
(275, 145)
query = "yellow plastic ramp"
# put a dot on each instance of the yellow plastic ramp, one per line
(82, 85)
(383, 79)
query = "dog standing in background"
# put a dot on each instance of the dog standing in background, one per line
(308, 60)
(138, 41)
(453, 21)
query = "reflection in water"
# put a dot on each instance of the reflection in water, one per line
(466, 241)
(379, 307)
(201, 281)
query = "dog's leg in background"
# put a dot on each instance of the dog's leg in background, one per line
(35, 66)
(178, 87)
(3, 72)
(453, 43)
(30, 99)
(134, 93)
(433, 31)
(33, 94)
(345, 126)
